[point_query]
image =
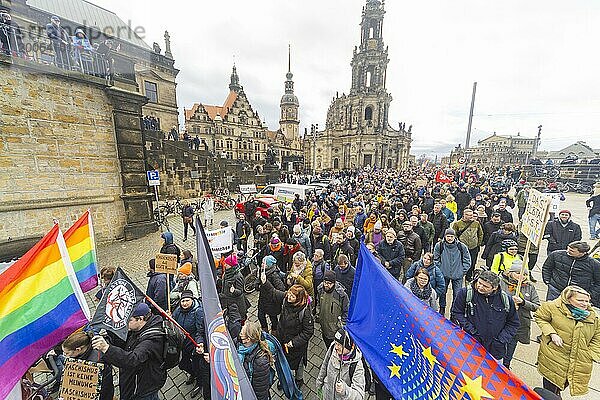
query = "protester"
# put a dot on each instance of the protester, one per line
(168, 247)
(439, 221)
(453, 259)
(344, 274)
(342, 375)
(190, 315)
(157, 286)
(570, 341)
(593, 203)
(561, 231)
(526, 302)
(436, 280)
(243, 230)
(187, 216)
(78, 345)
(256, 358)
(141, 375)
(303, 240)
(494, 244)
(184, 281)
(333, 307)
(427, 240)
(506, 258)
(232, 289)
(487, 313)
(573, 266)
(412, 245)
(266, 304)
(391, 252)
(420, 286)
(470, 233)
(106, 275)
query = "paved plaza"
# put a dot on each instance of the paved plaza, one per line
(133, 256)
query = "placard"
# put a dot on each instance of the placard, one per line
(81, 380)
(421, 182)
(166, 263)
(220, 240)
(535, 216)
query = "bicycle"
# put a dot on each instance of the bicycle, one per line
(250, 270)
(222, 203)
(578, 187)
(35, 384)
(160, 217)
(543, 171)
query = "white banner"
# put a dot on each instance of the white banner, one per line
(535, 217)
(220, 240)
(247, 189)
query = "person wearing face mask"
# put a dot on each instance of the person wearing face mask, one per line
(296, 325)
(256, 358)
(487, 313)
(419, 286)
(391, 252)
(570, 341)
(342, 375)
(561, 231)
(333, 307)
(526, 302)
(505, 259)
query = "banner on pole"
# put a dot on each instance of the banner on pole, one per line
(81, 380)
(220, 240)
(535, 216)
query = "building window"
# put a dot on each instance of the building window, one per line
(151, 91)
(369, 113)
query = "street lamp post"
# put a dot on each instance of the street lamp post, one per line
(314, 129)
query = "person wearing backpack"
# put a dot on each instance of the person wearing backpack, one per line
(453, 259)
(256, 358)
(140, 360)
(503, 260)
(342, 375)
(487, 313)
(190, 316)
(469, 231)
(333, 307)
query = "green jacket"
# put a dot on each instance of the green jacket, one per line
(521, 198)
(469, 233)
(429, 231)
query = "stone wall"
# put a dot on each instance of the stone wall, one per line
(57, 154)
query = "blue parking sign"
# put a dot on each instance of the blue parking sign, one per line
(153, 178)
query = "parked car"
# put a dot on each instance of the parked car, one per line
(261, 204)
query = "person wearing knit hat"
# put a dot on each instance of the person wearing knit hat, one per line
(329, 276)
(527, 302)
(332, 307)
(266, 304)
(232, 286)
(334, 380)
(454, 262)
(561, 231)
(187, 294)
(185, 280)
(450, 231)
(185, 269)
(231, 260)
(275, 249)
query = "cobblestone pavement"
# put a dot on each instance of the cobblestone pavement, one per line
(132, 256)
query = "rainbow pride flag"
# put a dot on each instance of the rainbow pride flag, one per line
(42, 303)
(82, 250)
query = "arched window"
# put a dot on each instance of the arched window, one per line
(369, 113)
(336, 163)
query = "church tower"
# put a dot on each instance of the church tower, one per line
(289, 122)
(370, 60)
(234, 85)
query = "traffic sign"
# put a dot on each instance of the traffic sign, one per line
(153, 178)
(462, 160)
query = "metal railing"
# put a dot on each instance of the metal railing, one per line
(37, 47)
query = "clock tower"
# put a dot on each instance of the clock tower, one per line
(289, 122)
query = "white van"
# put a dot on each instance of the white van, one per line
(287, 191)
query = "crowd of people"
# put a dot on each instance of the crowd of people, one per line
(434, 238)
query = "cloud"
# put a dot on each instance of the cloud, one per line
(535, 62)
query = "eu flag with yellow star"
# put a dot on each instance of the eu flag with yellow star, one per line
(415, 351)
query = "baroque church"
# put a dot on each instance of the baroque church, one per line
(357, 131)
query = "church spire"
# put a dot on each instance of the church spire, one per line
(289, 123)
(289, 58)
(235, 81)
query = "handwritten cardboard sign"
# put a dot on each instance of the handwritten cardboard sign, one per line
(535, 217)
(81, 380)
(220, 240)
(166, 263)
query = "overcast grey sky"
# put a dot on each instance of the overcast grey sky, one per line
(535, 61)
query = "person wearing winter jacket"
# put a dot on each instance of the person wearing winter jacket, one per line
(184, 281)
(320, 240)
(353, 242)
(503, 260)
(486, 317)
(359, 219)
(340, 246)
(296, 325)
(419, 286)
(187, 217)
(168, 247)
(570, 341)
(157, 286)
(561, 231)
(319, 267)
(573, 266)
(190, 316)
(391, 252)
(527, 302)
(440, 223)
(428, 237)
(266, 304)
(494, 244)
(333, 307)
(275, 249)
(470, 233)
(453, 259)
(232, 287)
(256, 358)
(303, 240)
(494, 224)
(436, 277)
(342, 375)
(141, 375)
(301, 273)
(344, 273)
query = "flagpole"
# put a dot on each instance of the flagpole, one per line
(167, 316)
(168, 293)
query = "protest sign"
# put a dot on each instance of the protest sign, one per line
(535, 216)
(166, 263)
(350, 214)
(421, 182)
(220, 240)
(81, 380)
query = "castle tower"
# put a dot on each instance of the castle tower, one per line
(289, 122)
(235, 81)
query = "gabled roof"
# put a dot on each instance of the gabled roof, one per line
(88, 14)
(212, 111)
(581, 149)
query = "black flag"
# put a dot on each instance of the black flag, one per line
(117, 305)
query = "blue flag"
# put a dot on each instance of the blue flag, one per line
(228, 379)
(416, 352)
(282, 368)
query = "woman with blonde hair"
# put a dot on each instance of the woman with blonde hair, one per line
(570, 341)
(451, 204)
(301, 273)
(256, 357)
